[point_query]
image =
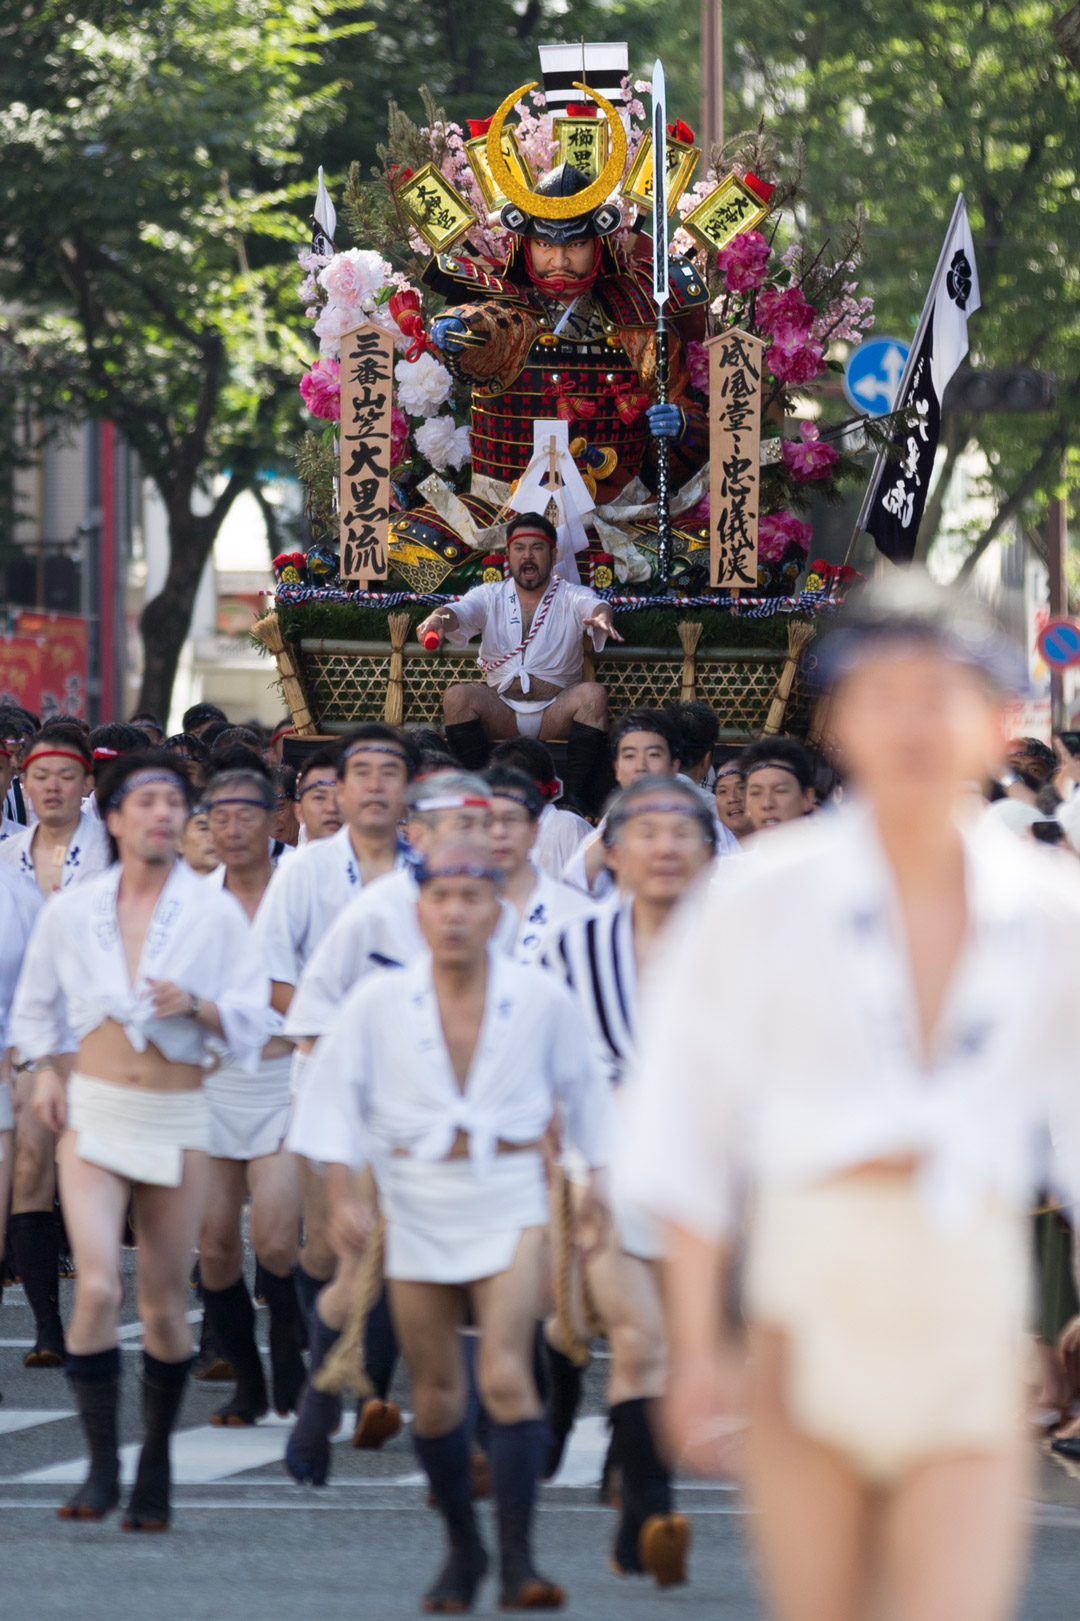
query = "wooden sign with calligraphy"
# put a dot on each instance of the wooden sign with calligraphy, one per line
(728, 210)
(367, 373)
(434, 207)
(735, 368)
(682, 159)
(582, 142)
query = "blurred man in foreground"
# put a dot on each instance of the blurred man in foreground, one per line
(884, 1129)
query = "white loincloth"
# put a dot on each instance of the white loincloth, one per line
(529, 712)
(905, 1339)
(446, 1224)
(249, 1114)
(134, 1132)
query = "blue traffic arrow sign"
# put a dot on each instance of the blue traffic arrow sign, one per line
(872, 375)
(1059, 643)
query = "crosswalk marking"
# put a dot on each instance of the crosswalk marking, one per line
(28, 1418)
(583, 1460)
(200, 1456)
(206, 1455)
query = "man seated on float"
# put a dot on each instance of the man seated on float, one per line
(531, 655)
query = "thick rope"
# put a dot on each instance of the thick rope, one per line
(564, 1250)
(344, 1367)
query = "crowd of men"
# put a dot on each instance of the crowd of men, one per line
(178, 1065)
(386, 1005)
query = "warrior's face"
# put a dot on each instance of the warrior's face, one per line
(560, 260)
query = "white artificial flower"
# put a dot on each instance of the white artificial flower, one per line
(423, 385)
(334, 320)
(443, 443)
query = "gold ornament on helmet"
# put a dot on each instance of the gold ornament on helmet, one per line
(557, 208)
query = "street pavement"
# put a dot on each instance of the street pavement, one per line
(249, 1545)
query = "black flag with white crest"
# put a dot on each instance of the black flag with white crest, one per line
(896, 494)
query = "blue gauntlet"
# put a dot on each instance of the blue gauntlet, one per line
(668, 422)
(448, 332)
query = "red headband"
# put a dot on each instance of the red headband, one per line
(59, 754)
(106, 754)
(524, 528)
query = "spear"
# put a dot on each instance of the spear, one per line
(660, 295)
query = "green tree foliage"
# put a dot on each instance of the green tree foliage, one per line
(900, 104)
(151, 199)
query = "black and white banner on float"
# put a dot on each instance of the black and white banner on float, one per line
(896, 495)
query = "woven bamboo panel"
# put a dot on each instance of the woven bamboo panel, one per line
(738, 690)
(427, 677)
(347, 682)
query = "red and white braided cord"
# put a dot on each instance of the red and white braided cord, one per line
(487, 665)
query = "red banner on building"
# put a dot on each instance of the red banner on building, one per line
(43, 665)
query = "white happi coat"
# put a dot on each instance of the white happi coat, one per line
(87, 854)
(382, 1080)
(554, 654)
(303, 898)
(377, 929)
(550, 907)
(74, 973)
(557, 837)
(733, 1089)
(20, 903)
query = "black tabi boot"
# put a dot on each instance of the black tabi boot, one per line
(164, 1384)
(445, 1460)
(517, 1455)
(95, 1386)
(232, 1321)
(586, 748)
(308, 1289)
(210, 1360)
(469, 744)
(564, 1397)
(35, 1247)
(287, 1370)
(651, 1539)
(307, 1455)
(378, 1420)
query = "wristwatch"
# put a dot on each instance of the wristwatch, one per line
(196, 1006)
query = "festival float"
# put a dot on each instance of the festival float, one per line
(451, 390)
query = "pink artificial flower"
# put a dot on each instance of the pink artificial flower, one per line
(354, 277)
(784, 313)
(810, 459)
(399, 436)
(777, 531)
(796, 358)
(333, 322)
(697, 365)
(320, 390)
(743, 261)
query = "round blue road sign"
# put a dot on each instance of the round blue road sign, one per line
(1059, 643)
(872, 375)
